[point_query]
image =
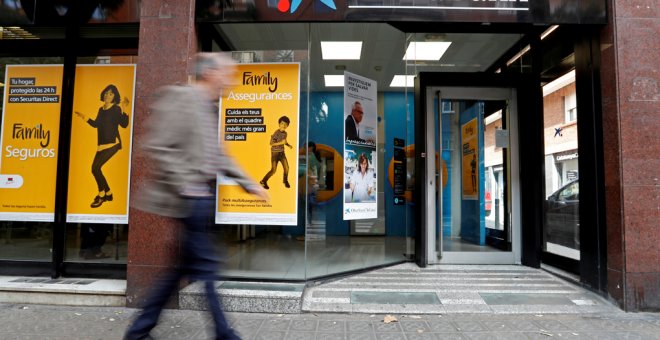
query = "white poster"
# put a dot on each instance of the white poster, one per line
(360, 140)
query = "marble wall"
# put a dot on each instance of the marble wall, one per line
(168, 44)
(631, 132)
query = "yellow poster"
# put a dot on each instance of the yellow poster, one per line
(30, 132)
(470, 160)
(259, 126)
(99, 168)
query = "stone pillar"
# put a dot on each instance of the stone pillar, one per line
(167, 45)
(631, 106)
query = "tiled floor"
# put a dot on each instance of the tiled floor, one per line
(442, 289)
(74, 323)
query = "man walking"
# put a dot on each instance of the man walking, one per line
(183, 143)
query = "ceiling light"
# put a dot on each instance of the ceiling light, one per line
(426, 50)
(341, 50)
(403, 81)
(334, 80)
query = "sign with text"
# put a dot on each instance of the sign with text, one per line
(101, 136)
(360, 154)
(259, 126)
(30, 131)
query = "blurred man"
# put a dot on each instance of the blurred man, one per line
(183, 143)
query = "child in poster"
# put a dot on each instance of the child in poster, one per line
(277, 143)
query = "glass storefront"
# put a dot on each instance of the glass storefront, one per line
(476, 202)
(323, 242)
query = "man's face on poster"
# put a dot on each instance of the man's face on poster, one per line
(357, 112)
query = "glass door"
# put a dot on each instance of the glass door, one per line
(472, 141)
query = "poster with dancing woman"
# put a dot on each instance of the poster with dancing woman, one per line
(99, 169)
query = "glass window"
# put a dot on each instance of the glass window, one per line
(40, 12)
(570, 107)
(323, 242)
(25, 209)
(561, 234)
(98, 198)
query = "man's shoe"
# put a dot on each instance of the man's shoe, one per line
(286, 184)
(98, 200)
(264, 184)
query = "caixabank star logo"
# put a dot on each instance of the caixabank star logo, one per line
(291, 6)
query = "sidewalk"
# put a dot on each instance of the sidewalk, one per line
(73, 323)
(436, 302)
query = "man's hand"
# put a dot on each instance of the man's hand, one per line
(260, 192)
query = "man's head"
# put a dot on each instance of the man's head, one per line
(357, 112)
(215, 71)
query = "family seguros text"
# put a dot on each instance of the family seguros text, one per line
(21, 132)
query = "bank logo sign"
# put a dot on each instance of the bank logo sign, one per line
(291, 6)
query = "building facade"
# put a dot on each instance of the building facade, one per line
(475, 158)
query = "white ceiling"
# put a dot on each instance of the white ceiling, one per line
(382, 50)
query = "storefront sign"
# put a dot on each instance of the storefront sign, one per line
(566, 155)
(259, 126)
(465, 11)
(483, 11)
(101, 136)
(470, 160)
(360, 140)
(465, 5)
(30, 131)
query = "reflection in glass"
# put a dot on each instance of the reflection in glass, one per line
(103, 243)
(41, 12)
(562, 205)
(26, 241)
(473, 173)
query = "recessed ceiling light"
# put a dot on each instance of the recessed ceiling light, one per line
(341, 50)
(403, 81)
(334, 80)
(426, 50)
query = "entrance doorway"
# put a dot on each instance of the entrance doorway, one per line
(471, 213)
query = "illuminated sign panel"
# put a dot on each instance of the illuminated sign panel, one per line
(465, 5)
(463, 11)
